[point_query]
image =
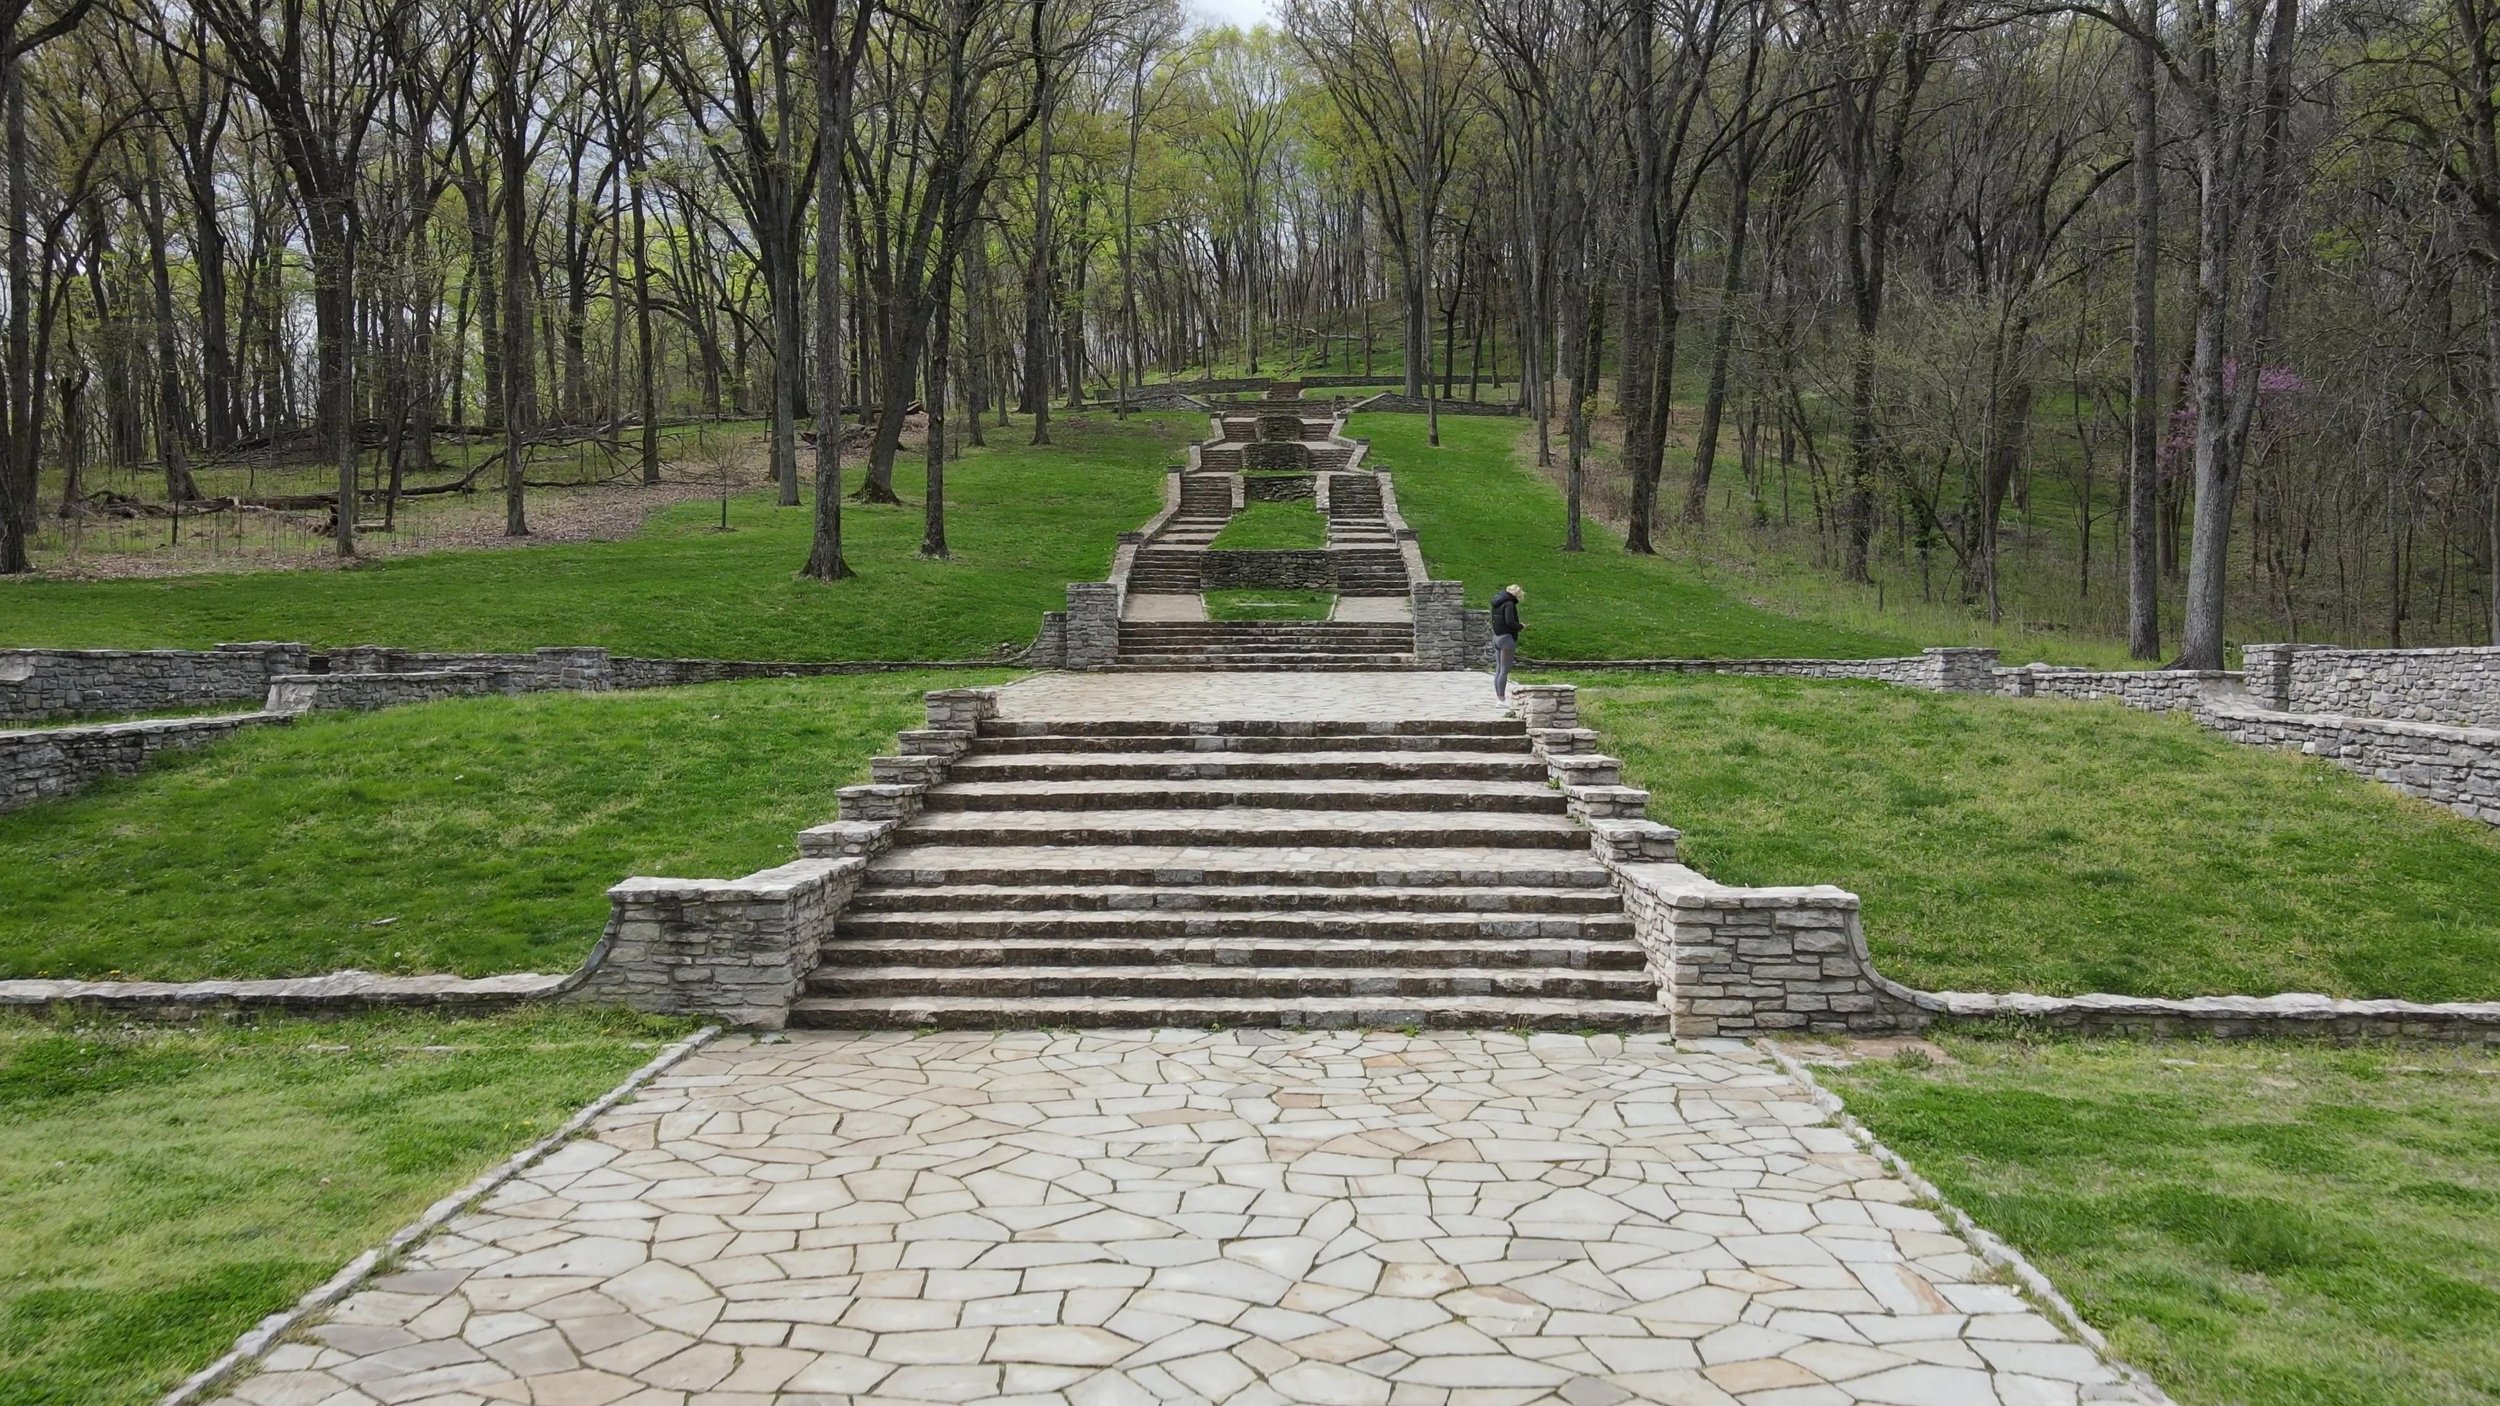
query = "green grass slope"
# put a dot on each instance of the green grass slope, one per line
(2254, 1225)
(1022, 523)
(161, 1190)
(468, 836)
(1485, 520)
(2007, 844)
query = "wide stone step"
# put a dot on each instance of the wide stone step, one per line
(1251, 660)
(1079, 896)
(1221, 744)
(1188, 765)
(1242, 826)
(1377, 923)
(1263, 983)
(1255, 664)
(1254, 727)
(1317, 644)
(1231, 951)
(1182, 871)
(1293, 793)
(1222, 630)
(1448, 1012)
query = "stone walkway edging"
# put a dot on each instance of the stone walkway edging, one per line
(271, 1330)
(1992, 1249)
(336, 992)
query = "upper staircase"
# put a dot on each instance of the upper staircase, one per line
(1321, 874)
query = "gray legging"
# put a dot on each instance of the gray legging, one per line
(1504, 646)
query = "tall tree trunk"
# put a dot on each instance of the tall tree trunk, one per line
(933, 503)
(1037, 299)
(833, 122)
(17, 474)
(172, 417)
(518, 407)
(2143, 383)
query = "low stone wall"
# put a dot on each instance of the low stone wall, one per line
(2154, 690)
(40, 684)
(674, 673)
(1265, 456)
(321, 693)
(1399, 404)
(60, 760)
(2457, 767)
(1743, 962)
(737, 950)
(1949, 669)
(2459, 687)
(337, 993)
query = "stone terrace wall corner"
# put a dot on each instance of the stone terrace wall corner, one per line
(41, 684)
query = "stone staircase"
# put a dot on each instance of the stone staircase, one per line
(1262, 645)
(1139, 873)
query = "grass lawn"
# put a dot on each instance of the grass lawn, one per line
(1486, 520)
(1273, 527)
(2037, 845)
(2253, 1224)
(474, 835)
(161, 1190)
(1269, 605)
(1022, 523)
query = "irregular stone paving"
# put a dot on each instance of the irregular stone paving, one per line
(1255, 1217)
(1386, 696)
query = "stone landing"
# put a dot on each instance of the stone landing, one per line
(1261, 1218)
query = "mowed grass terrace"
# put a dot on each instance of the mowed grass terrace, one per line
(163, 1189)
(1022, 522)
(2257, 1224)
(471, 836)
(2004, 844)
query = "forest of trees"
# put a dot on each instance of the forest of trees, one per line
(2223, 277)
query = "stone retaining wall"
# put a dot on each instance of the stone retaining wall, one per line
(1314, 569)
(2154, 690)
(314, 693)
(40, 684)
(337, 993)
(1950, 669)
(60, 760)
(2457, 767)
(1399, 404)
(2460, 687)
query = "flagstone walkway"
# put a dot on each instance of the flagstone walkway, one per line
(1251, 1217)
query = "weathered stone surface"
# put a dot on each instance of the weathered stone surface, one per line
(57, 761)
(1256, 1216)
(39, 684)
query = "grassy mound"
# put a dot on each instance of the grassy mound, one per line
(1022, 523)
(468, 836)
(161, 1190)
(2254, 1225)
(2039, 845)
(1487, 521)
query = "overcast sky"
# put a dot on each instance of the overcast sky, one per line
(1241, 12)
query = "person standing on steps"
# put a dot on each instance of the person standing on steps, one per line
(1505, 638)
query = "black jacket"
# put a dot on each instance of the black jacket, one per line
(1506, 614)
